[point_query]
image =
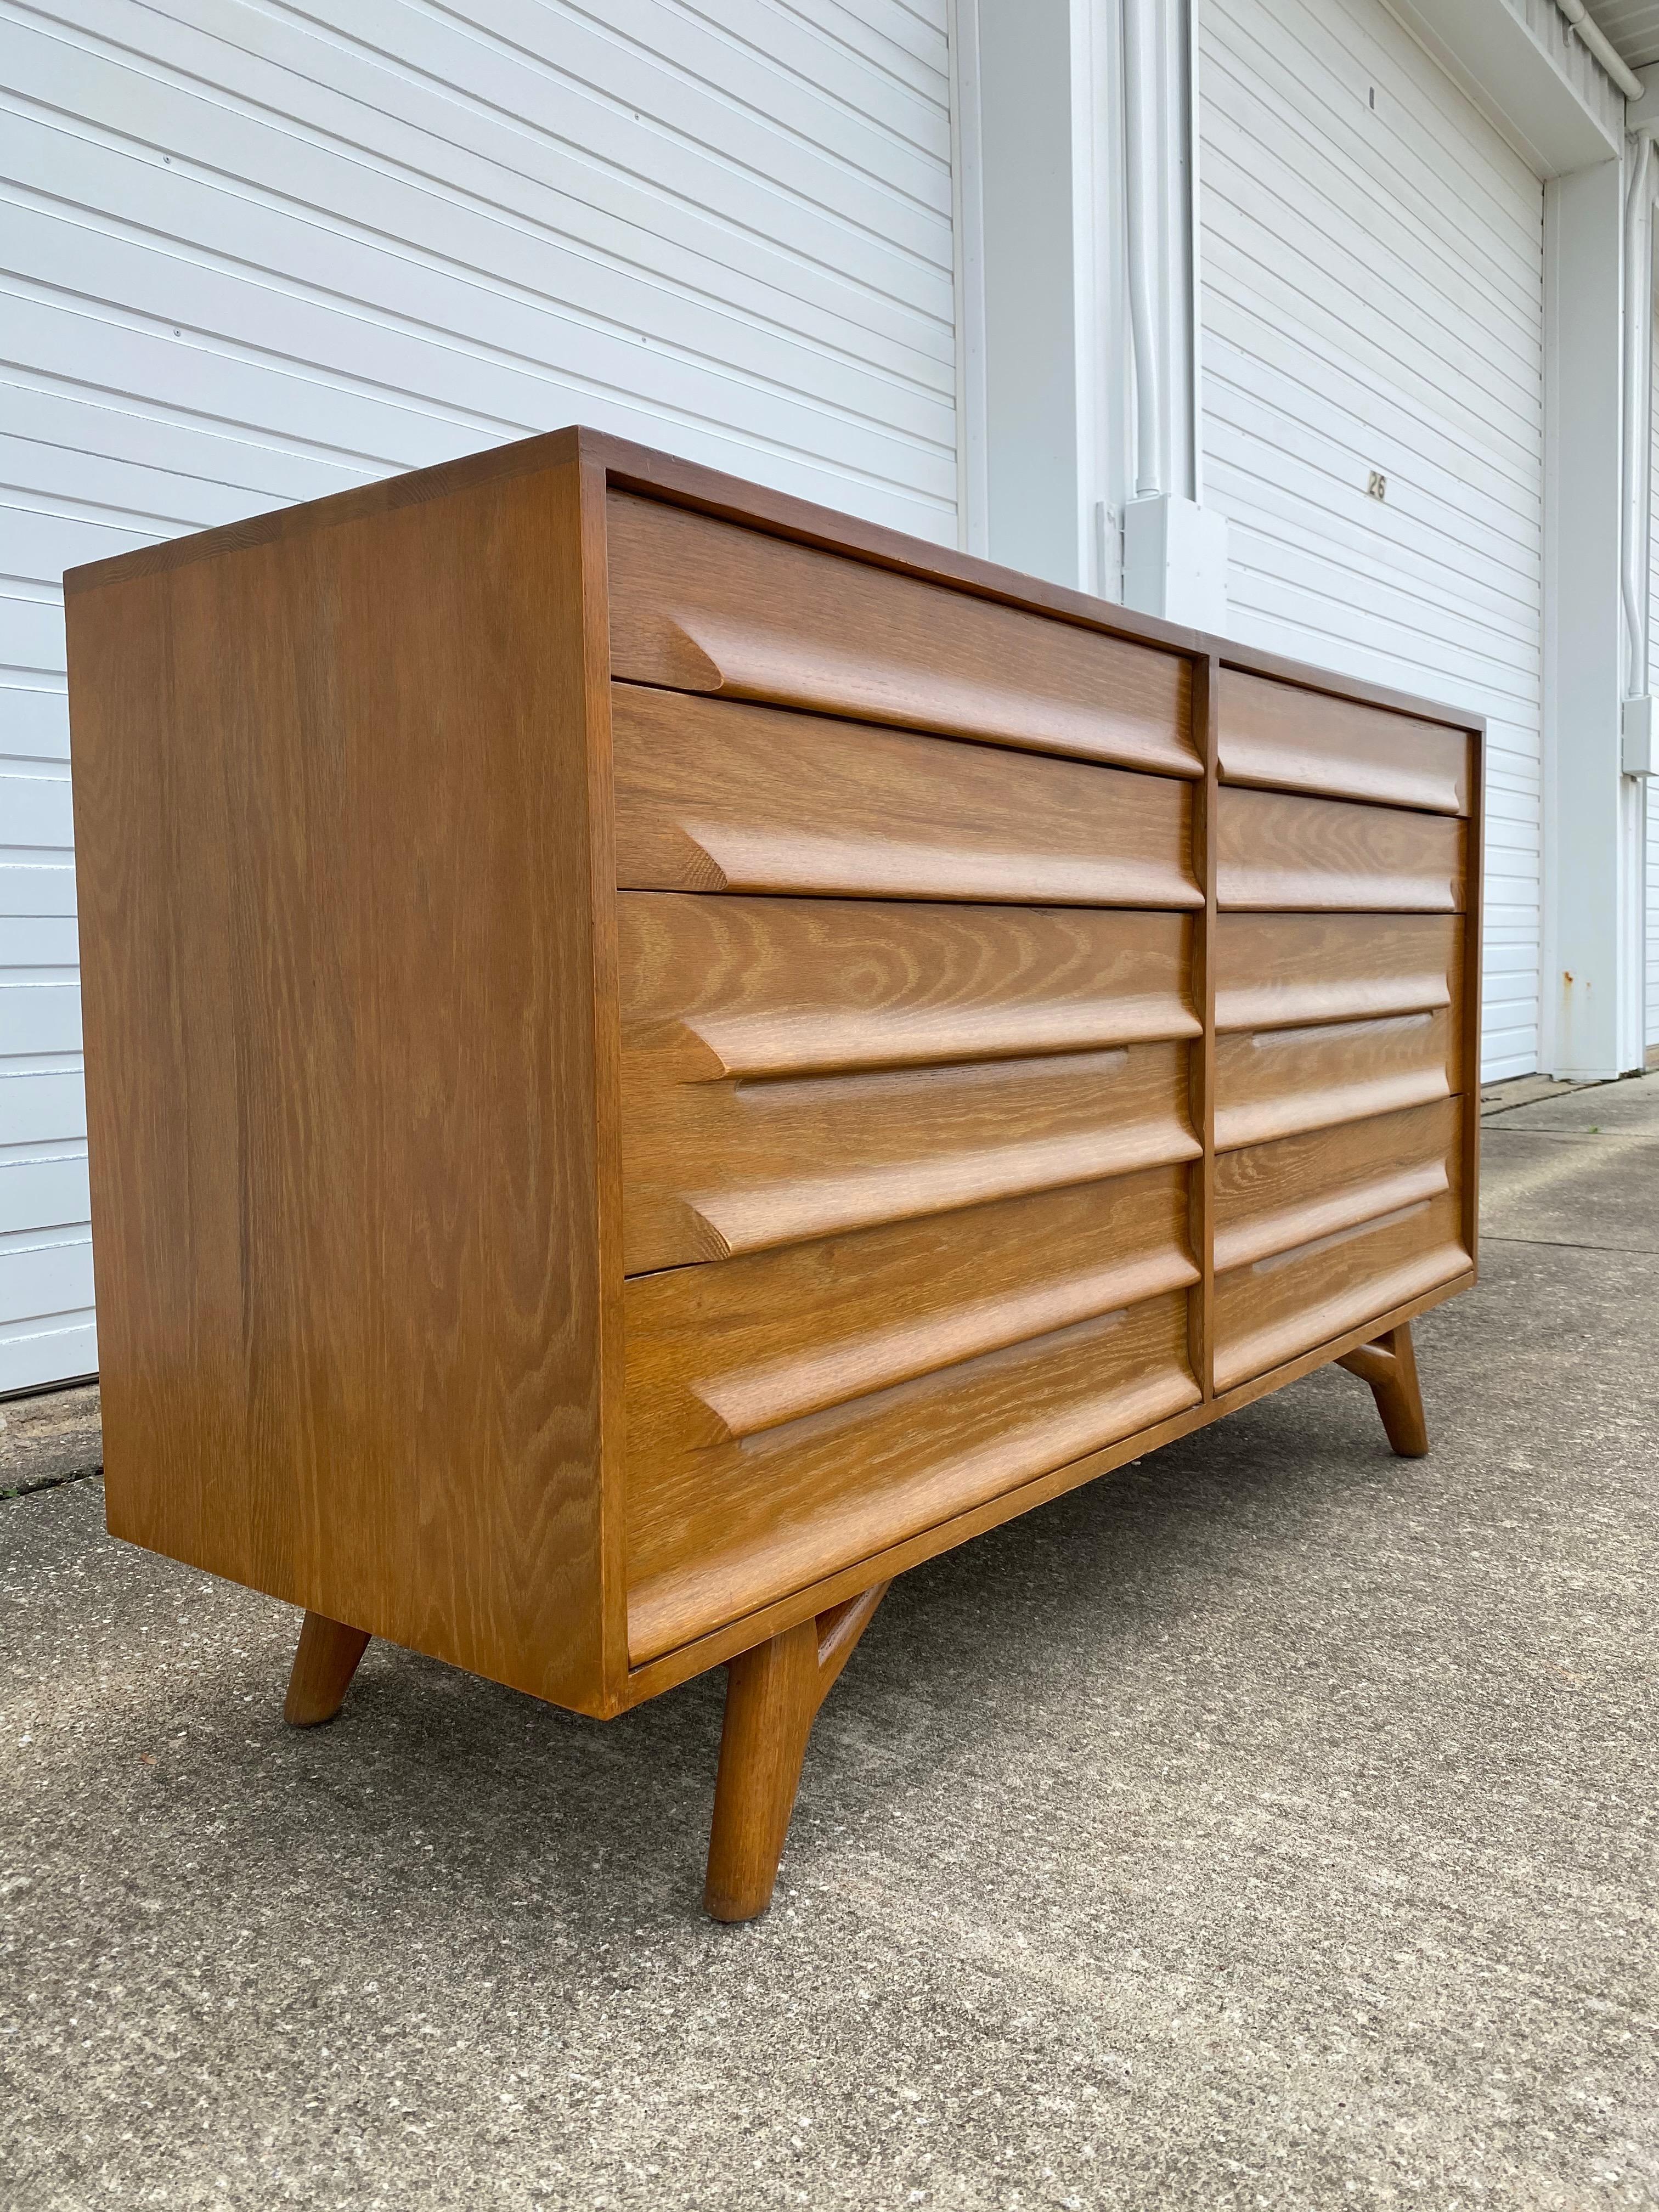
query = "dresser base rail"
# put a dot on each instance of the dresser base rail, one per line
(773, 1690)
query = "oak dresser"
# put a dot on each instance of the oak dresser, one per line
(657, 1055)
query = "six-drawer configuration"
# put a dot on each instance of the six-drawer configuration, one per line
(658, 1055)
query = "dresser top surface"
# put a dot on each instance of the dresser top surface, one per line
(628, 466)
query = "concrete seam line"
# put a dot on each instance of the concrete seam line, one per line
(10, 1492)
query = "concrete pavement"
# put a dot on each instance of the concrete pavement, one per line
(1273, 1824)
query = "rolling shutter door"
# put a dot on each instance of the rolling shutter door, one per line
(251, 258)
(1650, 788)
(1372, 261)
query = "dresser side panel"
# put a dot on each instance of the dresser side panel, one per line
(334, 819)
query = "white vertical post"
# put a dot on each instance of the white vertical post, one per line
(1591, 809)
(1037, 214)
(1175, 550)
(967, 233)
(1085, 194)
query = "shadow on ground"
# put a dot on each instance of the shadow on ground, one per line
(1270, 1823)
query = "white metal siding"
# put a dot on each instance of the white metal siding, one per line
(1650, 788)
(251, 258)
(1373, 299)
(1634, 28)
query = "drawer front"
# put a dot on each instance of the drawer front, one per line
(1272, 1083)
(718, 797)
(1271, 1311)
(717, 1354)
(1275, 850)
(716, 1166)
(699, 605)
(1275, 971)
(1271, 1198)
(1279, 734)
(769, 987)
(721, 1522)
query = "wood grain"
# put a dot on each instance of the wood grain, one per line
(773, 1692)
(662, 476)
(722, 1532)
(712, 987)
(716, 797)
(368, 1168)
(1200, 1057)
(1285, 971)
(656, 475)
(1280, 852)
(687, 1660)
(1271, 1198)
(713, 1168)
(1268, 1312)
(725, 1351)
(341, 1077)
(1389, 1366)
(699, 605)
(772, 1696)
(1298, 740)
(324, 1660)
(1272, 1083)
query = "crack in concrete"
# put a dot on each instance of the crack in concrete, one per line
(12, 1491)
(1568, 1244)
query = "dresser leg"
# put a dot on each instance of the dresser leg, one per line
(1389, 1366)
(323, 1668)
(772, 1697)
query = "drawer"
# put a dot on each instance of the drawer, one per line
(699, 605)
(771, 986)
(721, 1523)
(1275, 850)
(719, 1353)
(1278, 733)
(1277, 970)
(717, 1165)
(1268, 1312)
(1271, 1198)
(1270, 1083)
(712, 796)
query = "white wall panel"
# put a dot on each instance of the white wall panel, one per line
(1372, 266)
(1633, 27)
(1650, 789)
(252, 255)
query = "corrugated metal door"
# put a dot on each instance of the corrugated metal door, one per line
(1650, 789)
(253, 256)
(1372, 256)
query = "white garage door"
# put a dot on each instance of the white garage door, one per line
(1373, 299)
(1650, 789)
(251, 257)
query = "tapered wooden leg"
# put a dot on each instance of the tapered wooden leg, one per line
(1389, 1366)
(323, 1668)
(772, 1697)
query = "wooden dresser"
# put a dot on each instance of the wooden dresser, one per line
(656, 1055)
